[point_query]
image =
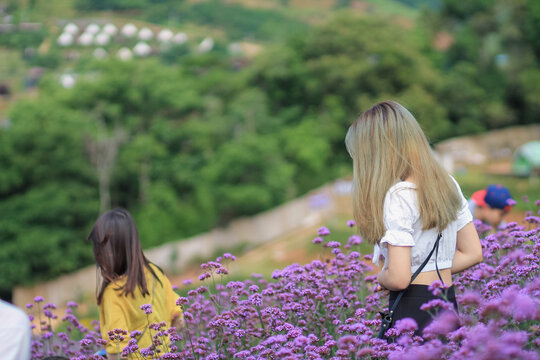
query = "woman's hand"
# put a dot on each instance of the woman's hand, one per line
(384, 291)
(468, 249)
(380, 286)
(396, 275)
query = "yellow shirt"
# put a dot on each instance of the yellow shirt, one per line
(124, 312)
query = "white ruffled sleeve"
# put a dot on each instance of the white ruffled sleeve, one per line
(464, 215)
(400, 213)
(376, 254)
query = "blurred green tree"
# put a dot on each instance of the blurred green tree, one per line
(194, 145)
(494, 44)
(248, 175)
(47, 194)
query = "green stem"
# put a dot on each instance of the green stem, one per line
(191, 342)
(151, 338)
(50, 339)
(164, 340)
(219, 345)
(41, 327)
(260, 318)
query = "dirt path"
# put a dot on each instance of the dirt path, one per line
(263, 259)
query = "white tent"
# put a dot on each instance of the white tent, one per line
(100, 53)
(146, 34)
(165, 35)
(142, 49)
(206, 45)
(102, 39)
(129, 30)
(180, 38)
(124, 54)
(92, 29)
(65, 39)
(67, 81)
(110, 29)
(85, 39)
(71, 28)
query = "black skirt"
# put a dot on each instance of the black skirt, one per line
(413, 298)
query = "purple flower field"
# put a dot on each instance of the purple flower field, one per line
(328, 310)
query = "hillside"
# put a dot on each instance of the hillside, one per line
(192, 114)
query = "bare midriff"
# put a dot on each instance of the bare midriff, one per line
(428, 277)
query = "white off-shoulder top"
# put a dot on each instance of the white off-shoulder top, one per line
(403, 225)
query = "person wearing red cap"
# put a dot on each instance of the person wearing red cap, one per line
(490, 205)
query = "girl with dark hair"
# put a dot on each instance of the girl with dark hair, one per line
(128, 281)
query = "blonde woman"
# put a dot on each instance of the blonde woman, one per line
(402, 200)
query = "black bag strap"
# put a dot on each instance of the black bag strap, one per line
(436, 257)
(418, 271)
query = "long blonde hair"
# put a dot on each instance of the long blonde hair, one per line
(387, 145)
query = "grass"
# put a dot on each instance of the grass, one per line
(339, 232)
(12, 68)
(13, 71)
(392, 7)
(296, 247)
(47, 11)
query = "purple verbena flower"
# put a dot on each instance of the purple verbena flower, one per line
(323, 231)
(511, 202)
(333, 244)
(147, 308)
(204, 276)
(406, 325)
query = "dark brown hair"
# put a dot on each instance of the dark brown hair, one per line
(118, 252)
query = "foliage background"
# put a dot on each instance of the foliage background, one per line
(204, 138)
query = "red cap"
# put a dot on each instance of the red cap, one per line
(479, 197)
(497, 197)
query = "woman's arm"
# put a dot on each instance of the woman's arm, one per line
(397, 275)
(468, 249)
